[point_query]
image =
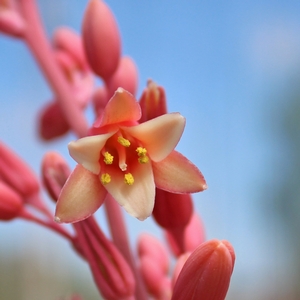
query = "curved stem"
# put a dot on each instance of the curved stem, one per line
(120, 238)
(36, 40)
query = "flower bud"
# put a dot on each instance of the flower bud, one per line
(153, 102)
(193, 236)
(69, 41)
(126, 77)
(101, 39)
(151, 247)
(55, 172)
(10, 203)
(111, 272)
(206, 273)
(16, 173)
(52, 122)
(11, 22)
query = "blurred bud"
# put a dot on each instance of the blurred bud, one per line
(55, 172)
(179, 265)
(151, 247)
(16, 173)
(172, 210)
(206, 273)
(11, 23)
(193, 236)
(10, 203)
(126, 76)
(111, 272)
(52, 122)
(69, 41)
(100, 99)
(101, 39)
(155, 279)
(153, 102)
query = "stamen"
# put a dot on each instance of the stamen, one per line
(124, 142)
(105, 178)
(143, 159)
(141, 151)
(128, 179)
(108, 158)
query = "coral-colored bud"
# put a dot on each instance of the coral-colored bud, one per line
(155, 279)
(206, 273)
(11, 22)
(172, 210)
(126, 77)
(110, 270)
(16, 173)
(100, 99)
(151, 247)
(153, 101)
(193, 236)
(55, 172)
(101, 39)
(52, 122)
(70, 42)
(10, 203)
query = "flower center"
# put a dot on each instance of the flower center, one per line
(122, 154)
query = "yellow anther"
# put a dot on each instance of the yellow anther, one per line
(128, 179)
(141, 151)
(105, 178)
(143, 159)
(108, 158)
(123, 142)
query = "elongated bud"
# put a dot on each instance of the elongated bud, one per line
(16, 173)
(111, 272)
(101, 39)
(55, 172)
(126, 77)
(10, 203)
(206, 273)
(151, 247)
(153, 101)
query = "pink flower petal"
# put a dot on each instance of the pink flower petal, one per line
(160, 135)
(122, 107)
(138, 198)
(86, 151)
(80, 197)
(177, 174)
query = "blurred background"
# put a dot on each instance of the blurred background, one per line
(233, 71)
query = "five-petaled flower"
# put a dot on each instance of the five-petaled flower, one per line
(127, 160)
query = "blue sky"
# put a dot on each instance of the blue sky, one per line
(221, 64)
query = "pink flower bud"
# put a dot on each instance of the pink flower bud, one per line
(101, 39)
(52, 122)
(126, 77)
(55, 172)
(100, 99)
(10, 203)
(179, 265)
(153, 102)
(206, 273)
(193, 236)
(151, 247)
(111, 272)
(172, 210)
(16, 173)
(69, 41)
(11, 22)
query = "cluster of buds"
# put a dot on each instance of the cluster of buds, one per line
(125, 159)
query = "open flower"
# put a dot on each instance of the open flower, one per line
(127, 160)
